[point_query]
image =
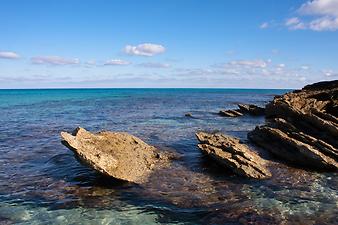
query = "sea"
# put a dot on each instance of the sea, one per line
(41, 182)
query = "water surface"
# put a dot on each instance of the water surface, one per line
(41, 182)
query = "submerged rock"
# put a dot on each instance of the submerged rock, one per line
(230, 113)
(302, 126)
(253, 110)
(116, 154)
(228, 151)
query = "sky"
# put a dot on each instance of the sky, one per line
(167, 43)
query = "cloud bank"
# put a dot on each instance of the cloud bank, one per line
(155, 65)
(54, 60)
(116, 62)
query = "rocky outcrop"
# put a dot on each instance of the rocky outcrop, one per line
(302, 126)
(229, 152)
(251, 109)
(116, 154)
(230, 113)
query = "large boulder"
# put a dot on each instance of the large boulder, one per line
(302, 126)
(116, 154)
(229, 152)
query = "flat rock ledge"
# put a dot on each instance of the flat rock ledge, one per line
(116, 154)
(302, 126)
(229, 152)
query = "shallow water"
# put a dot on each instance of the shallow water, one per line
(41, 182)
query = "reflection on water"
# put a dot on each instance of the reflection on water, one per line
(41, 182)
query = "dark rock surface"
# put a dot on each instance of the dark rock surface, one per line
(116, 154)
(228, 151)
(302, 126)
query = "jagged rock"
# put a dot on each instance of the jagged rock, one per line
(116, 154)
(302, 126)
(251, 109)
(243, 109)
(228, 151)
(230, 113)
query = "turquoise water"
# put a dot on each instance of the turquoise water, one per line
(41, 182)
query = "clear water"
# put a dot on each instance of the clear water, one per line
(42, 183)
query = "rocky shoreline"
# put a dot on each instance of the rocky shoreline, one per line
(301, 129)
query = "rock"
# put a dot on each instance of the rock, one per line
(229, 152)
(188, 115)
(230, 113)
(243, 109)
(302, 126)
(251, 109)
(116, 154)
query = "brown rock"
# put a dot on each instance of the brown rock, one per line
(228, 151)
(230, 113)
(303, 126)
(290, 148)
(116, 154)
(251, 109)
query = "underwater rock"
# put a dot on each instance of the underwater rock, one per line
(228, 151)
(302, 126)
(116, 154)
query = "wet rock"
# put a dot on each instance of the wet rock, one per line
(302, 126)
(251, 109)
(188, 115)
(230, 113)
(228, 151)
(116, 154)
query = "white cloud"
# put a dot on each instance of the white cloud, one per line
(264, 25)
(259, 63)
(324, 23)
(317, 15)
(9, 55)
(146, 49)
(54, 60)
(320, 7)
(155, 65)
(116, 62)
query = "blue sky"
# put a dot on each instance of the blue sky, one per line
(173, 43)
